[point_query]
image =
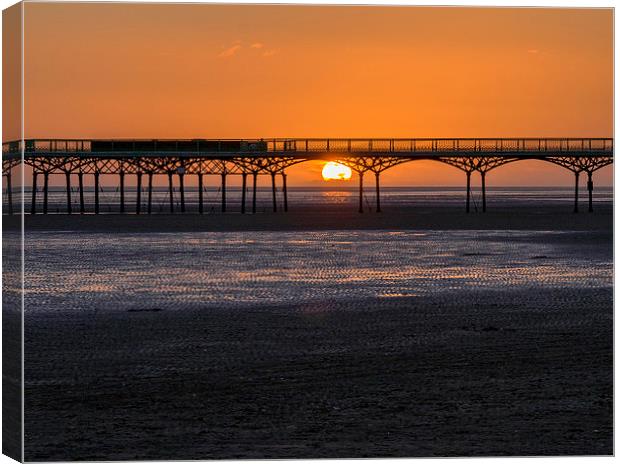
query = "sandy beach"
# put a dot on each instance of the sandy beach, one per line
(159, 360)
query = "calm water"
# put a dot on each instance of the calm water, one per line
(303, 197)
(69, 272)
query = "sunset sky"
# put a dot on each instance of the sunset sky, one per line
(222, 71)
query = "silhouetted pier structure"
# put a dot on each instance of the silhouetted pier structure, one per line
(271, 157)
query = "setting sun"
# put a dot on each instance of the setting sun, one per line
(336, 171)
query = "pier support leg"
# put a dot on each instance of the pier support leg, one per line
(182, 191)
(243, 187)
(200, 194)
(171, 192)
(484, 191)
(46, 180)
(590, 189)
(223, 192)
(284, 192)
(122, 191)
(33, 206)
(254, 180)
(81, 187)
(273, 192)
(378, 192)
(96, 193)
(68, 181)
(9, 191)
(138, 192)
(468, 173)
(149, 207)
(361, 206)
(576, 207)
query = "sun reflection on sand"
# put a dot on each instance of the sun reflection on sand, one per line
(226, 269)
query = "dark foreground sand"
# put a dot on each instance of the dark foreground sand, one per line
(484, 373)
(402, 377)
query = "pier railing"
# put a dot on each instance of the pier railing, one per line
(140, 147)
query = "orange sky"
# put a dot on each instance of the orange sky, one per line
(224, 71)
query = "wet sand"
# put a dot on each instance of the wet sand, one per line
(546, 216)
(501, 371)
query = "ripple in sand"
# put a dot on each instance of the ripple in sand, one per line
(237, 269)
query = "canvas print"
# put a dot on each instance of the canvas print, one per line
(300, 231)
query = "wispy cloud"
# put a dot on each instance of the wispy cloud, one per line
(533, 51)
(230, 51)
(237, 46)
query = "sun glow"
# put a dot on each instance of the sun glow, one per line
(336, 171)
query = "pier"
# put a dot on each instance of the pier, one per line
(177, 159)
